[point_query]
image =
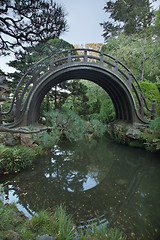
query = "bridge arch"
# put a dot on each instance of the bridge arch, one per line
(118, 91)
(102, 69)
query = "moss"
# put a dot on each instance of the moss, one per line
(148, 138)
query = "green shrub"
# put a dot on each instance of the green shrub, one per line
(68, 125)
(63, 224)
(155, 124)
(5, 108)
(58, 225)
(107, 112)
(47, 139)
(12, 159)
(96, 128)
(151, 92)
(10, 218)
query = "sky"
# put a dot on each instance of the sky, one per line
(83, 18)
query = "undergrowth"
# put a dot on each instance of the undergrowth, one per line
(59, 225)
(12, 159)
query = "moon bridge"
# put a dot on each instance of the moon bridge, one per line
(113, 76)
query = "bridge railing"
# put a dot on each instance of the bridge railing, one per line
(71, 56)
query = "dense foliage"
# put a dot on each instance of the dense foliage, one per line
(139, 51)
(155, 124)
(129, 16)
(151, 92)
(85, 98)
(13, 159)
(68, 125)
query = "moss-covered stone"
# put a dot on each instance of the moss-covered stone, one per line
(135, 135)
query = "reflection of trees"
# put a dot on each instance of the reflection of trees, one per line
(115, 167)
(66, 169)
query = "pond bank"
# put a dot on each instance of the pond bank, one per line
(45, 225)
(97, 179)
(135, 135)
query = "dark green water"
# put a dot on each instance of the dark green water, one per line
(97, 181)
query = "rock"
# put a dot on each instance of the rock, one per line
(133, 133)
(12, 139)
(27, 141)
(45, 237)
(2, 138)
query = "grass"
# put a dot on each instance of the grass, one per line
(104, 232)
(58, 225)
(13, 159)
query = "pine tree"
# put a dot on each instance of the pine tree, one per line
(26, 23)
(127, 15)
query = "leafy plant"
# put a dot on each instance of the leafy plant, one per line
(58, 225)
(155, 124)
(102, 232)
(68, 125)
(151, 92)
(96, 128)
(63, 224)
(14, 158)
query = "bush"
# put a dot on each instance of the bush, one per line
(70, 126)
(155, 124)
(95, 127)
(107, 112)
(5, 108)
(12, 159)
(151, 92)
(47, 139)
(58, 225)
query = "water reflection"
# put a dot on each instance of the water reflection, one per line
(97, 180)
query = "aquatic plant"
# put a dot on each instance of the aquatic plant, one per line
(101, 233)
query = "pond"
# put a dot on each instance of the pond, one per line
(98, 181)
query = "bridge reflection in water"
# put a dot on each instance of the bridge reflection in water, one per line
(98, 182)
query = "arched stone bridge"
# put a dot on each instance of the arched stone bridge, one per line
(106, 71)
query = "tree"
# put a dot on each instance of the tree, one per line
(78, 97)
(139, 52)
(100, 104)
(127, 15)
(24, 60)
(26, 23)
(156, 27)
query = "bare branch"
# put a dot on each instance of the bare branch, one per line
(29, 23)
(24, 131)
